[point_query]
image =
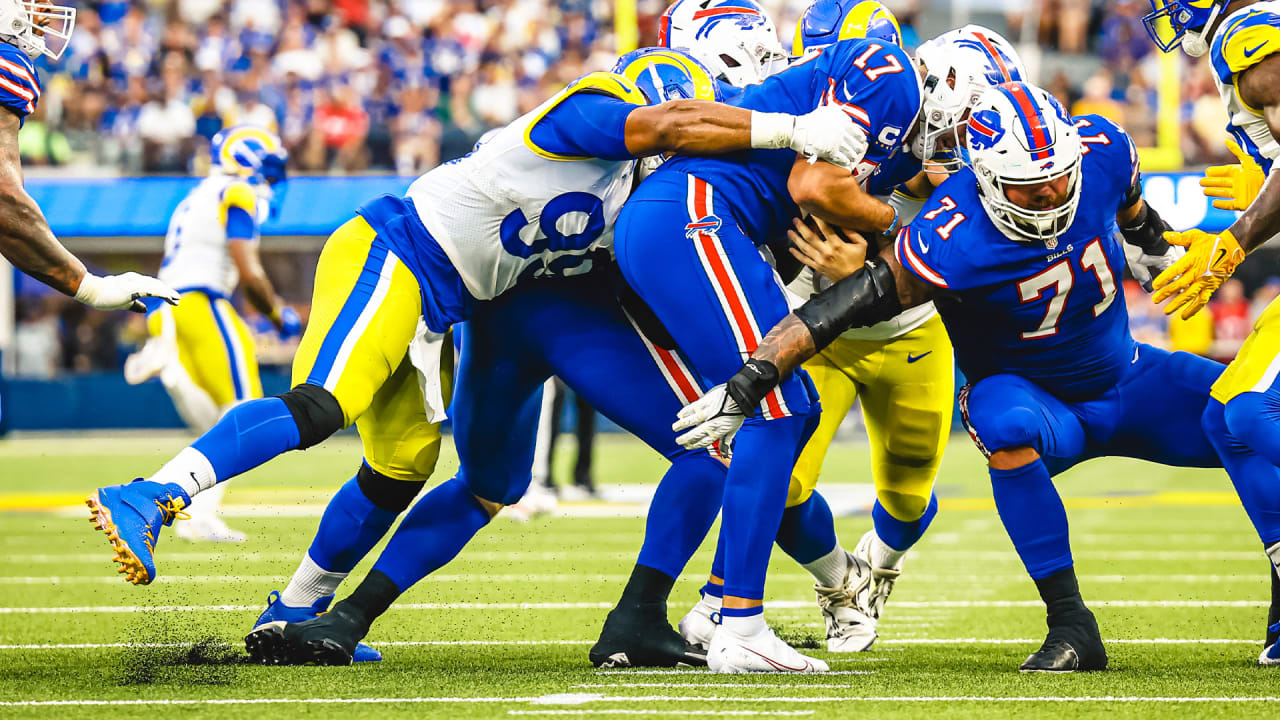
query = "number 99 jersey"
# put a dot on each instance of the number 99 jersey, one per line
(1243, 40)
(1045, 311)
(549, 202)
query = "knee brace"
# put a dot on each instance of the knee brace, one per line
(387, 493)
(316, 412)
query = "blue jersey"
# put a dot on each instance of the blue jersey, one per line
(1046, 311)
(19, 83)
(871, 80)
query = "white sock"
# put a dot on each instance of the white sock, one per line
(208, 504)
(190, 470)
(745, 626)
(883, 556)
(830, 569)
(1273, 552)
(309, 583)
(711, 602)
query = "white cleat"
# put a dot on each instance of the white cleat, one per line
(207, 529)
(850, 626)
(700, 623)
(1271, 653)
(883, 577)
(538, 500)
(762, 652)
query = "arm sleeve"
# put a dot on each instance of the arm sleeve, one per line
(19, 87)
(585, 125)
(239, 209)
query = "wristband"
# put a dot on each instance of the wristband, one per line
(88, 290)
(771, 131)
(748, 386)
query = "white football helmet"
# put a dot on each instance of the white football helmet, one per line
(37, 28)
(735, 39)
(956, 67)
(1017, 135)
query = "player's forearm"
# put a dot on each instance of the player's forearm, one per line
(262, 296)
(28, 243)
(787, 345)
(834, 195)
(689, 127)
(1262, 220)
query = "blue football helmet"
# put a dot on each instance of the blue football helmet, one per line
(251, 152)
(827, 22)
(1185, 23)
(663, 74)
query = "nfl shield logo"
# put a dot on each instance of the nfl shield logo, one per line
(1051, 243)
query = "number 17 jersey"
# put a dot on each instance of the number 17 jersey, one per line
(1046, 311)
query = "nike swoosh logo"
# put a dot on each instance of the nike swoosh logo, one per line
(1250, 52)
(912, 358)
(1222, 252)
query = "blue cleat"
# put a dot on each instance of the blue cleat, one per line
(277, 611)
(1271, 654)
(131, 515)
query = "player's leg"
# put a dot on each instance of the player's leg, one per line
(170, 354)
(230, 368)
(1020, 428)
(364, 313)
(714, 292)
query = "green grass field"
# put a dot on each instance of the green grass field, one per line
(1166, 558)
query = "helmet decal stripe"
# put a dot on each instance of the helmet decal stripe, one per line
(1032, 120)
(994, 54)
(725, 10)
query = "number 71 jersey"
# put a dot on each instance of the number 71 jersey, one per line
(1045, 311)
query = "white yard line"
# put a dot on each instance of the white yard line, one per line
(696, 672)
(789, 686)
(698, 713)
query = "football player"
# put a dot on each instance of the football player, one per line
(29, 30)
(572, 328)
(1020, 256)
(735, 39)
(202, 350)
(1242, 419)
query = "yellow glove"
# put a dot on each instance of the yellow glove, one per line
(1192, 280)
(1237, 184)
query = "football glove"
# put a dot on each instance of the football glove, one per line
(827, 133)
(1235, 185)
(290, 322)
(713, 417)
(1210, 259)
(1144, 267)
(118, 292)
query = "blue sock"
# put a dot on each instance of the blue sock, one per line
(717, 561)
(1254, 476)
(351, 525)
(433, 533)
(754, 495)
(682, 511)
(247, 436)
(807, 531)
(1034, 517)
(742, 612)
(713, 590)
(900, 534)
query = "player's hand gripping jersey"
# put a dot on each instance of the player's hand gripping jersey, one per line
(873, 81)
(1047, 310)
(1243, 40)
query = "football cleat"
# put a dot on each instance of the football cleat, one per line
(700, 623)
(537, 500)
(883, 578)
(330, 639)
(208, 529)
(277, 611)
(1271, 653)
(640, 636)
(1073, 645)
(847, 609)
(762, 652)
(131, 515)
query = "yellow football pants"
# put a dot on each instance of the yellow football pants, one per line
(907, 385)
(214, 346)
(1257, 364)
(364, 314)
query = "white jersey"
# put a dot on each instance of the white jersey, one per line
(511, 210)
(195, 248)
(1243, 39)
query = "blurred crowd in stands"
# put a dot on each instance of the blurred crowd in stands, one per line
(401, 85)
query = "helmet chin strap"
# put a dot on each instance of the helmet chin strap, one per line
(1198, 44)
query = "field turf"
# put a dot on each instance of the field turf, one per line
(1166, 558)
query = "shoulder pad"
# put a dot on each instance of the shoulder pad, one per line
(1244, 42)
(239, 194)
(601, 83)
(19, 82)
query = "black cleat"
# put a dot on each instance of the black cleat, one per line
(641, 636)
(1073, 645)
(329, 639)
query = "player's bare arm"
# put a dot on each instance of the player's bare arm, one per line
(1259, 87)
(703, 127)
(254, 281)
(835, 195)
(25, 237)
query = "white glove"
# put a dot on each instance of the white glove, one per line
(1144, 267)
(827, 133)
(713, 417)
(116, 292)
